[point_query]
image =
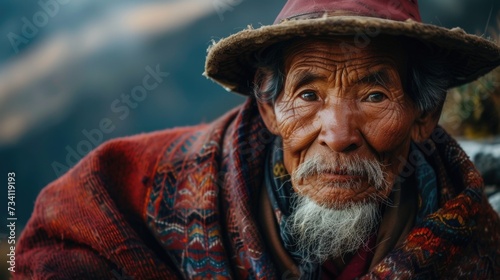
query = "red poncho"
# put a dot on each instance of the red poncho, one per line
(182, 203)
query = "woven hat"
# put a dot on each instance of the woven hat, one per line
(230, 61)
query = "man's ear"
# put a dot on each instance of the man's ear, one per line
(425, 123)
(266, 110)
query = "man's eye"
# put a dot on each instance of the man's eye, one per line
(376, 97)
(309, 96)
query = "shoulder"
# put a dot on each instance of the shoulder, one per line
(95, 212)
(121, 167)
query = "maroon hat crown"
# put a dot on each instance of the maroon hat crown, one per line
(399, 10)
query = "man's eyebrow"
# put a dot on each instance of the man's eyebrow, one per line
(304, 77)
(380, 77)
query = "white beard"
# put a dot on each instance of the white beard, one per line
(334, 229)
(321, 233)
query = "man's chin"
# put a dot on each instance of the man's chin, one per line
(321, 232)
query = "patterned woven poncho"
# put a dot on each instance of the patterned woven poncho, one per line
(182, 203)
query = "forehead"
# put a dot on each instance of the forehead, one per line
(347, 52)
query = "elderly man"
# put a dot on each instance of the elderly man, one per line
(334, 168)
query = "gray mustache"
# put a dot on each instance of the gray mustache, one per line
(372, 169)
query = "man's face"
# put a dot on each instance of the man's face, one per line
(339, 107)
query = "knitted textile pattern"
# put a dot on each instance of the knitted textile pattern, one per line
(182, 203)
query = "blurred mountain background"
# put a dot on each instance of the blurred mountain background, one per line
(67, 66)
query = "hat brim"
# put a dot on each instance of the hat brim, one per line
(229, 61)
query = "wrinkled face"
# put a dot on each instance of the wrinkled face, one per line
(343, 116)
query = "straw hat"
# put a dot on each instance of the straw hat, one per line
(229, 61)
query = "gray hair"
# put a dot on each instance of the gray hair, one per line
(269, 76)
(427, 78)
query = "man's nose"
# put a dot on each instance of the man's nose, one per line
(340, 129)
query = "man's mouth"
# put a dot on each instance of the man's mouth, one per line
(340, 176)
